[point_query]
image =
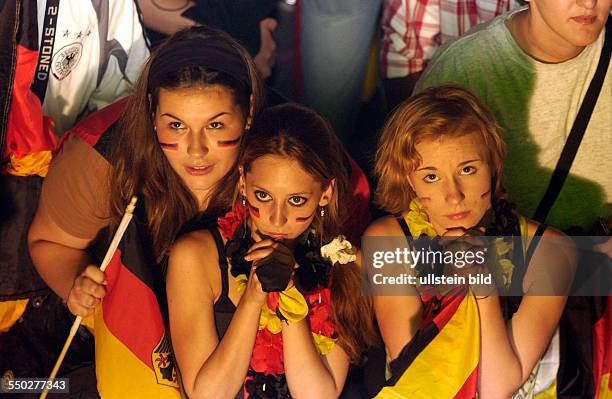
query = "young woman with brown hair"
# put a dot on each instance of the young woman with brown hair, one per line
(439, 166)
(292, 318)
(175, 146)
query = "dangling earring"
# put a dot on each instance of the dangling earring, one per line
(244, 214)
(322, 214)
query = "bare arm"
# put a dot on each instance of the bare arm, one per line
(209, 367)
(62, 262)
(510, 352)
(310, 375)
(266, 57)
(398, 316)
(164, 16)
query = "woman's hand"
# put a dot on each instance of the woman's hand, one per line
(254, 292)
(87, 291)
(274, 264)
(466, 245)
(266, 57)
(268, 248)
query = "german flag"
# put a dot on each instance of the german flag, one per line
(29, 139)
(602, 353)
(433, 364)
(26, 144)
(133, 355)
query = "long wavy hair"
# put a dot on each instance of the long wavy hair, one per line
(140, 166)
(300, 134)
(447, 110)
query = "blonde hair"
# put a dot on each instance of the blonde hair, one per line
(449, 111)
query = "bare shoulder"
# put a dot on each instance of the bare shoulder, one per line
(386, 226)
(193, 255)
(553, 239)
(191, 244)
(553, 264)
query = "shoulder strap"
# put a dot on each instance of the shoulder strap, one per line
(222, 262)
(402, 222)
(45, 50)
(534, 242)
(520, 266)
(577, 133)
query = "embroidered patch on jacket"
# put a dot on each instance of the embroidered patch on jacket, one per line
(66, 59)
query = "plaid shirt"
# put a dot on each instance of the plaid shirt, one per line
(413, 29)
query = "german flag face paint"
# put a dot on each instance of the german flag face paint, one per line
(253, 211)
(229, 143)
(306, 218)
(168, 146)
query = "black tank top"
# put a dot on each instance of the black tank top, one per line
(224, 308)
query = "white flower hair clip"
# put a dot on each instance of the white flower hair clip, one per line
(339, 250)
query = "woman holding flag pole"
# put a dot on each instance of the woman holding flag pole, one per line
(175, 147)
(439, 165)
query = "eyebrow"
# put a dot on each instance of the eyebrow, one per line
(209, 119)
(290, 195)
(460, 164)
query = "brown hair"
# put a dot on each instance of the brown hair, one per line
(448, 110)
(140, 167)
(300, 134)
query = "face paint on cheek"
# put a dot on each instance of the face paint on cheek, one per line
(305, 219)
(254, 212)
(486, 194)
(228, 143)
(168, 146)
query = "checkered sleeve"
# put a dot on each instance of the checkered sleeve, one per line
(414, 29)
(459, 16)
(411, 34)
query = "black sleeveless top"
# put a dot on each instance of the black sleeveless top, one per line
(224, 308)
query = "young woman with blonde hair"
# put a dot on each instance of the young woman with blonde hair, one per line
(440, 175)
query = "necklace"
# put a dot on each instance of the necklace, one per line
(310, 298)
(503, 226)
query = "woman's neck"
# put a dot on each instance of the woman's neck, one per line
(539, 41)
(202, 198)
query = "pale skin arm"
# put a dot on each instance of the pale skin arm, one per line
(170, 20)
(266, 57)
(167, 20)
(210, 368)
(510, 351)
(398, 317)
(62, 262)
(310, 375)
